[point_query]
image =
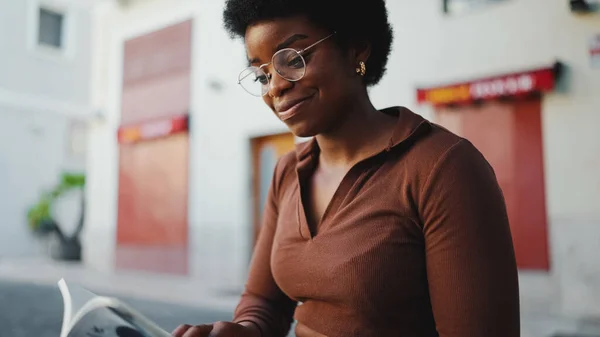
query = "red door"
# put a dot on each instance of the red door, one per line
(509, 134)
(153, 195)
(152, 228)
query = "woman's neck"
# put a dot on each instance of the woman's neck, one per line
(363, 131)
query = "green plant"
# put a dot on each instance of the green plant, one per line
(40, 213)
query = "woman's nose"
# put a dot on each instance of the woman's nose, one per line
(278, 85)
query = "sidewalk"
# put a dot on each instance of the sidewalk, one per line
(193, 292)
(147, 286)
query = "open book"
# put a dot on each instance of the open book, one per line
(89, 315)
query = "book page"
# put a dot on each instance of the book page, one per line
(105, 322)
(138, 320)
(108, 317)
(74, 300)
(88, 315)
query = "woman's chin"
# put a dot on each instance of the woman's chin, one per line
(302, 130)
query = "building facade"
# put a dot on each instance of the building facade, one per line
(45, 104)
(194, 93)
(184, 151)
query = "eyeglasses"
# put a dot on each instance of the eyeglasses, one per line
(288, 63)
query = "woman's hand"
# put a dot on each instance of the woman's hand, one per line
(218, 329)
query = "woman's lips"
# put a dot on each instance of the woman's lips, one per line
(292, 110)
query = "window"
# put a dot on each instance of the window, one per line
(461, 6)
(51, 33)
(50, 28)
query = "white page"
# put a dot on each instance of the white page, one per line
(84, 311)
(74, 299)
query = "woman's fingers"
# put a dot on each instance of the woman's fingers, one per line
(198, 331)
(180, 330)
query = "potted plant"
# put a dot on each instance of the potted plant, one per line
(42, 223)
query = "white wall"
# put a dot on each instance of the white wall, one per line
(40, 94)
(29, 161)
(430, 48)
(25, 68)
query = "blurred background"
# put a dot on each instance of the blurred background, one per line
(131, 161)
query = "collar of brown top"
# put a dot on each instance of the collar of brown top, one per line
(408, 126)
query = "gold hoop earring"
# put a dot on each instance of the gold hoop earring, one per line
(361, 69)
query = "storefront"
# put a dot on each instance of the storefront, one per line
(501, 116)
(152, 224)
(152, 219)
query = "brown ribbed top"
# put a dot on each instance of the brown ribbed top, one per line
(415, 243)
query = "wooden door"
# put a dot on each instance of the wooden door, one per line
(266, 151)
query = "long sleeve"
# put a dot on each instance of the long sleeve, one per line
(262, 302)
(471, 267)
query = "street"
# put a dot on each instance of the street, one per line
(31, 310)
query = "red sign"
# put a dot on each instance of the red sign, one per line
(511, 85)
(152, 129)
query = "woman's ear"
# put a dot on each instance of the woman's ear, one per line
(362, 51)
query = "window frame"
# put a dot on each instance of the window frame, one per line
(61, 26)
(66, 51)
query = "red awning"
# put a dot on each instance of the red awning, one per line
(152, 129)
(510, 85)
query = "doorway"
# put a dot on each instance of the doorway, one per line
(152, 231)
(266, 150)
(152, 227)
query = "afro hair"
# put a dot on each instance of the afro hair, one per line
(354, 21)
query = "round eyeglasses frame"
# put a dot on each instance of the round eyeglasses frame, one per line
(265, 87)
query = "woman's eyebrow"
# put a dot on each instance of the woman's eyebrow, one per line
(290, 40)
(284, 44)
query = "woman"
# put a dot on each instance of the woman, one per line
(383, 224)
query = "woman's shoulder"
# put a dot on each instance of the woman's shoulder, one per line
(430, 147)
(424, 141)
(441, 143)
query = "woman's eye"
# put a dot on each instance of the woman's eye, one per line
(296, 62)
(262, 79)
